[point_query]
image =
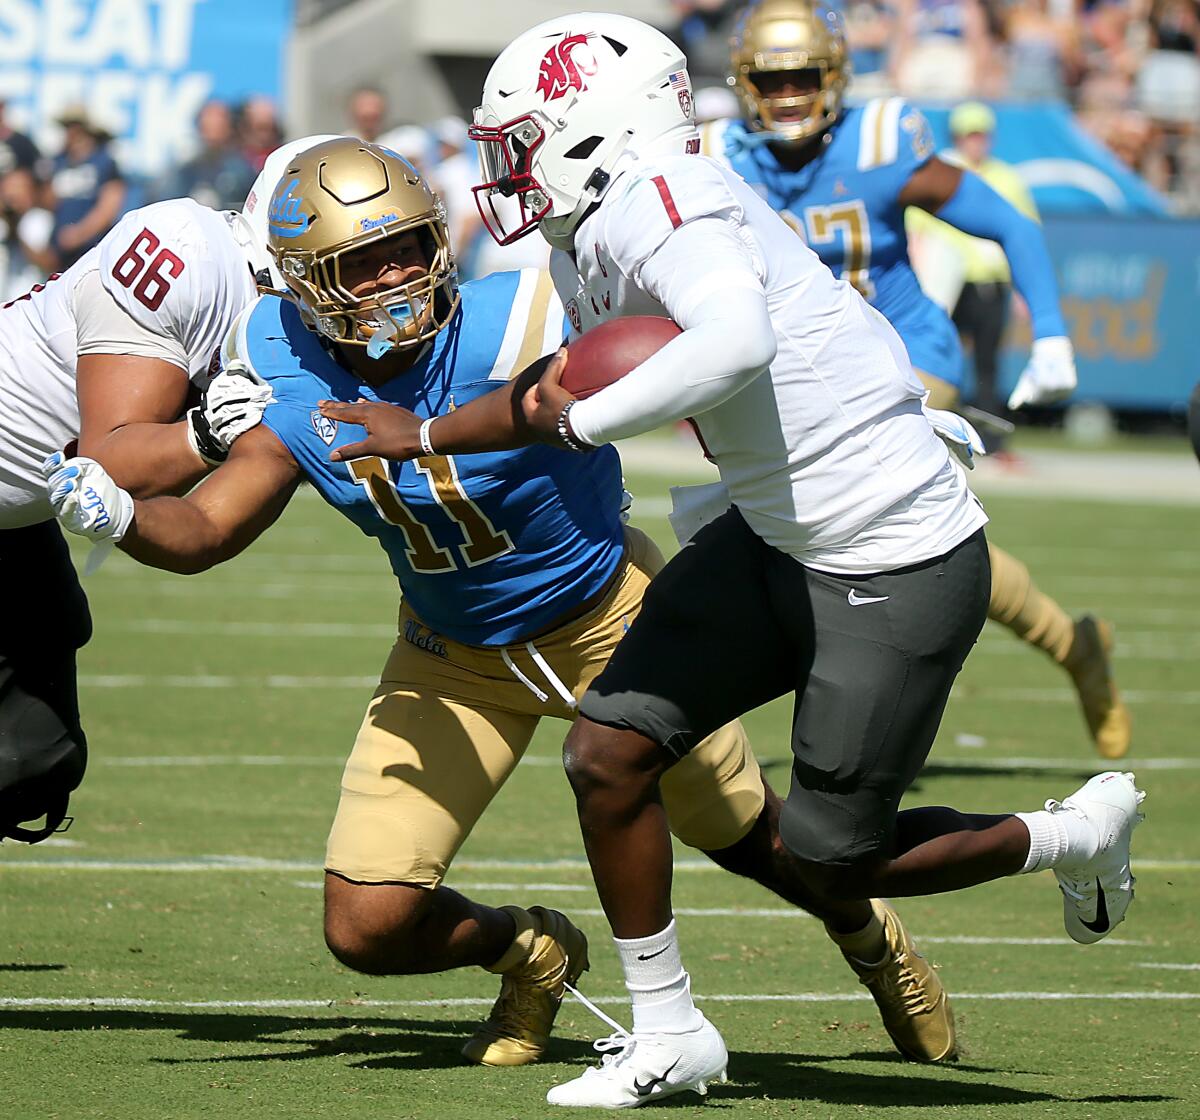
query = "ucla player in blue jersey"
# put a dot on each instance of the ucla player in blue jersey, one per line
(842, 178)
(518, 578)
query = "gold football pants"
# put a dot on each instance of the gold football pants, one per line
(449, 723)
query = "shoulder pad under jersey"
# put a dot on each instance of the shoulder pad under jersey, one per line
(176, 269)
(655, 199)
(893, 132)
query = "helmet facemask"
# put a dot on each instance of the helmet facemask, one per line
(800, 37)
(506, 154)
(399, 317)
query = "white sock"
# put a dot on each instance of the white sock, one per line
(658, 986)
(1056, 839)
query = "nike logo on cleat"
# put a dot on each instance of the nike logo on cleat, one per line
(857, 600)
(1100, 923)
(645, 1088)
(651, 956)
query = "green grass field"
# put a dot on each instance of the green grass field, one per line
(164, 959)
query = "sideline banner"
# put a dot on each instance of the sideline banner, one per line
(1130, 290)
(142, 67)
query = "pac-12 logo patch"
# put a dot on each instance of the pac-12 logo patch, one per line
(564, 67)
(573, 315)
(324, 427)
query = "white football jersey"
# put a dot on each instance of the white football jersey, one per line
(173, 271)
(827, 455)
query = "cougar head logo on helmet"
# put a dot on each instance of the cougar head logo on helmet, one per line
(788, 65)
(345, 196)
(564, 67)
(560, 106)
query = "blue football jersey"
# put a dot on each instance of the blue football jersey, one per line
(845, 204)
(488, 548)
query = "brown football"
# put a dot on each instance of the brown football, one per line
(608, 352)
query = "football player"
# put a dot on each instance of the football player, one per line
(852, 555)
(518, 581)
(105, 357)
(842, 178)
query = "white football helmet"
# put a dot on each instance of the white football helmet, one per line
(250, 227)
(560, 105)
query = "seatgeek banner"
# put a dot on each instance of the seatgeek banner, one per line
(1130, 289)
(142, 67)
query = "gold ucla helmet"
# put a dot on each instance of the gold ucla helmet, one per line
(338, 197)
(775, 35)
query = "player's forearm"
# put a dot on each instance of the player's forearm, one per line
(493, 422)
(147, 459)
(176, 536)
(978, 210)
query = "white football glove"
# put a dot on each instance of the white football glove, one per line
(85, 500)
(233, 403)
(1050, 374)
(957, 434)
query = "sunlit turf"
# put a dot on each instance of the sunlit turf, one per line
(252, 680)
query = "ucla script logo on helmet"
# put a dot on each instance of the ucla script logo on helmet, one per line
(564, 67)
(284, 218)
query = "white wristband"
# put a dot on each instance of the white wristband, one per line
(423, 436)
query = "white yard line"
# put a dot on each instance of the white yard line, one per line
(256, 863)
(1175, 967)
(289, 681)
(101, 1003)
(974, 762)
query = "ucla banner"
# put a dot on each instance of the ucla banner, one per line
(1067, 170)
(1130, 289)
(142, 68)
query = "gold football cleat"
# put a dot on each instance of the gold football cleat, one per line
(1088, 662)
(912, 1002)
(518, 1028)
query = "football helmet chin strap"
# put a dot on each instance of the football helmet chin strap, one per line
(560, 232)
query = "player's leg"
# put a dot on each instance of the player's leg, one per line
(841, 812)
(663, 686)
(43, 750)
(426, 764)
(1082, 646)
(988, 318)
(718, 802)
(715, 797)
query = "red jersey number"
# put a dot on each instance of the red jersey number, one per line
(151, 267)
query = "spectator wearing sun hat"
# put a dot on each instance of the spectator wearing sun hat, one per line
(85, 188)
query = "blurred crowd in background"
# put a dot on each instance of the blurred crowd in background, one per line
(1130, 70)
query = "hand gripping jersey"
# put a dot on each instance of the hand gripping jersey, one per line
(845, 204)
(172, 271)
(488, 548)
(827, 454)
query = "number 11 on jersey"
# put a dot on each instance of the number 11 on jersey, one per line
(482, 541)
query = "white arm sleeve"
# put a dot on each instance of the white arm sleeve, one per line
(102, 326)
(705, 277)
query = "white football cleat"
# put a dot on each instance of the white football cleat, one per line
(638, 1068)
(1097, 892)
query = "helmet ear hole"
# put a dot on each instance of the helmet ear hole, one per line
(584, 148)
